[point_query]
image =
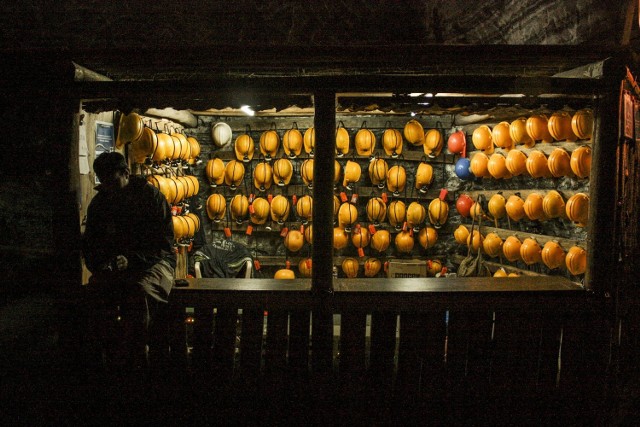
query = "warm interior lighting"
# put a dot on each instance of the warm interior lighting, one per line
(247, 110)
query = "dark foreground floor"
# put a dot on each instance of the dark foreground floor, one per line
(46, 379)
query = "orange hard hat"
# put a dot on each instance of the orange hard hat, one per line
(438, 212)
(482, 139)
(577, 209)
(530, 251)
(282, 171)
(479, 165)
(365, 141)
(350, 266)
(233, 173)
(428, 237)
(396, 179)
(560, 126)
(397, 213)
(433, 143)
(497, 206)
(360, 237)
(308, 234)
(292, 143)
(309, 141)
(244, 148)
(280, 208)
(340, 238)
(502, 137)
(215, 171)
(537, 165)
(492, 245)
(304, 208)
(262, 176)
(380, 240)
(414, 132)
(516, 162)
(582, 123)
(424, 177)
(404, 242)
(294, 240)
(511, 248)
(343, 141)
(239, 207)
(518, 132)
(284, 273)
(376, 210)
(260, 210)
(498, 166)
(347, 215)
(378, 169)
(559, 163)
(515, 208)
(372, 267)
(474, 241)
(461, 234)
(533, 207)
(416, 214)
(576, 260)
(305, 267)
(553, 205)
(581, 161)
(306, 171)
(553, 256)
(538, 129)
(392, 142)
(216, 207)
(269, 143)
(352, 172)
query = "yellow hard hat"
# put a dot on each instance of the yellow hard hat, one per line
(582, 123)
(163, 184)
(461, 234)
(305, 267)
(244, 147)
(414, 132)
(537, 165)
(474, 240)
(360, 237)
(309, 141)
(259, 211)
(161, 150)
(502, 137)
(424, 177)
(434, 266)
(352, 174)
(497, 166)
(337, 171)
(511, 248)
(392, 142)
(500, 273)
(559, 125)
(294, 240)
(284, 273)
(577, 209)
(372, 267)
(553, 205)
(396, 179)
(195, 149)
(438, 212)
(269, 143)
(433, 143)
(397, 213)
(143, 146)
(280, 208)
(130, 128)
(482, 139)
(530, 251)
(515, 208)
(239, 207)
(380, 240)
(479, 165)
(533, 207)
(492, 245)
(376, 210)
(308, 234)
(476, 212)
(576, 260)
(343, 140)
(347, 215)
(306, 171)
(233, 173)
(559, 163)
(581, 161)
(378, 169)
(538, 128)
(336, 205)
(292, 143)
(183, 144)
(428, 237)
(350, 266)
(221, 134)
(516, 162)
(304, 208)
(282, 171)
(518, 132)
(262, 176)
(404, 242)
(365, 142)
(340, 238)
(216, 207)
(497, 206)
(416, 214)
(215, 171)
(553, 256)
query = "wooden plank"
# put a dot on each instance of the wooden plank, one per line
(352, 343)
(224, 345)
(251, 342)
(177, 337)
(413, 338)
(299, 323)
(276, 344)
(202, 337)
(383, 347)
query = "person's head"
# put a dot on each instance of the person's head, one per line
(112, 171)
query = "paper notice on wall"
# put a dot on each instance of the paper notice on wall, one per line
(83, 150)
(628, 116)
(84, 165)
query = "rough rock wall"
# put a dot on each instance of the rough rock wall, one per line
(92, 24)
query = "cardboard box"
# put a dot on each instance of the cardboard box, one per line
(399, 268)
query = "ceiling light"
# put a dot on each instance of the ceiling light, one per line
(247, 110)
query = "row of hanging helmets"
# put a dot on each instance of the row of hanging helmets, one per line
(294, 141)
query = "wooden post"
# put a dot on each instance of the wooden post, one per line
(322, 258)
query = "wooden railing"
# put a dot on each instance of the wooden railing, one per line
(476, 348)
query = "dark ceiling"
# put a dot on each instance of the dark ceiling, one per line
(190, 39)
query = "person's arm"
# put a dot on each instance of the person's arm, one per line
(95, 256)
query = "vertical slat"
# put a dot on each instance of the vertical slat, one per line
(516, 358)
(177, 337)
(251, 342)
(276, 341)
(383, 345)
(413, 341)
(549, 353)
(202, 337)
(352, 343)
(456, 355)
(225, 342)
(299, 340)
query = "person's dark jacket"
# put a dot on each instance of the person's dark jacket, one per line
(135, 222)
